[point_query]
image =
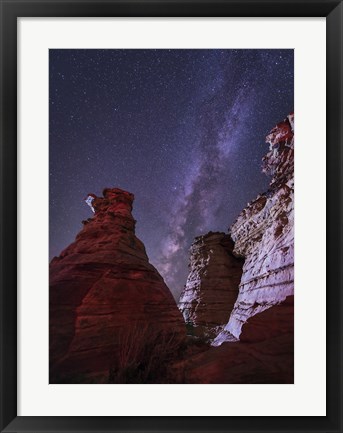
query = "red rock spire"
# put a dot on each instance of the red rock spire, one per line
(101, 285)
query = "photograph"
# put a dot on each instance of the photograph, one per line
(169, 263)
(171, 216)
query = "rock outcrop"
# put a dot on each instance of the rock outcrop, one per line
(101, 285)
(212, 284)
(264, 237)
(264, 354)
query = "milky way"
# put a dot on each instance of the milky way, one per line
(181, 129)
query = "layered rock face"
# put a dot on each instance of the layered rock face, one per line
(212, 284)
(101, 285)
(264, 236)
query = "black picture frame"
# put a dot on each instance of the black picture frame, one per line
(10, 11)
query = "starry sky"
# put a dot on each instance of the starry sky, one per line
(184, 130)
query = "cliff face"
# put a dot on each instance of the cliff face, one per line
(101, 285)
(106, 296)
(264, 236)
(212, 284)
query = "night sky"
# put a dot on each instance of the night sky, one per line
(183, 130)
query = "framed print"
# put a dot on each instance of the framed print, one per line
(171, 241)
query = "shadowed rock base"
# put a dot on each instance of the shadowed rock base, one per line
(264, 354)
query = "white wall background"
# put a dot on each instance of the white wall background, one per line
(307, 395)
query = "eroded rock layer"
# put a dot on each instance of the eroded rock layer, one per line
(264, 354)
(212, 284)
(101, 285)
(264, 236)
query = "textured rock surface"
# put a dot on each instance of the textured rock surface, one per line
(264, 353)
(212, 284)
(264, 236)
(101, 284)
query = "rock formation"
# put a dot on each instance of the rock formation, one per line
(101, 285)
(239, 293)
(264, 236)
(212, 284)
(264, 354)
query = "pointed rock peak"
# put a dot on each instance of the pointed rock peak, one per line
(281, 133)
(113, 208)
(279, 161)
(113, 198)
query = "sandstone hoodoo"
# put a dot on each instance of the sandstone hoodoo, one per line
(101, 287)
(212, 284)
(264, 353)
(264, 236)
